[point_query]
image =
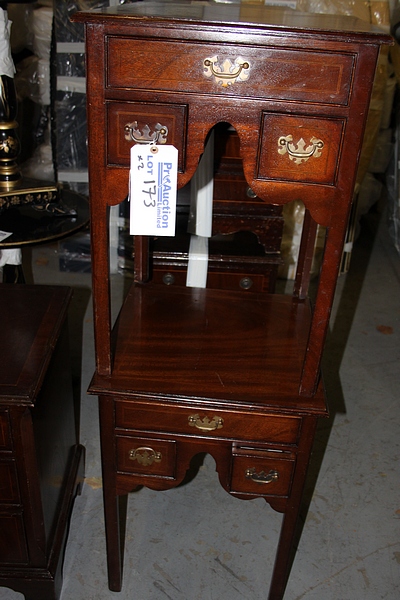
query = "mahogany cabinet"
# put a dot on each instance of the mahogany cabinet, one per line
(190, 370)
(41, 462)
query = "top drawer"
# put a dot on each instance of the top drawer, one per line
(323, 77)
(209, 422)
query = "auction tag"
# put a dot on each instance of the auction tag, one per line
(153, 189)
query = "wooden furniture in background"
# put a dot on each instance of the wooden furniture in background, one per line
(191, 370)
(41, 463)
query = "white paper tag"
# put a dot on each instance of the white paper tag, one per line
(153, 188)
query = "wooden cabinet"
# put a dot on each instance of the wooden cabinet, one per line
(190, 370)
(40, 460)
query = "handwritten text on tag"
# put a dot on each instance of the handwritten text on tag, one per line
(153, 187)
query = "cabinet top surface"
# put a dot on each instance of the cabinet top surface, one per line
(211, 14)
(31, 321)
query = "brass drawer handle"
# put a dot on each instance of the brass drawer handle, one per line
(133, 134)
(300, 153)
(262, 477)
(145, 456)
(227, 72)
(205, 424)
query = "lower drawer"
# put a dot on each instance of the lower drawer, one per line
(8, 483)
(5, 438)
(220, 280)
(12, 539)
(146, 456)
(262, 474)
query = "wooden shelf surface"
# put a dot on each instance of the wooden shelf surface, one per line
(173, 342)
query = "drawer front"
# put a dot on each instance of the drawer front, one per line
(219, 280)
(8, 483)
(299, 148)
(275, 73)
(5, 437)
(145, 456)
(129, 123)
(209, 423)
(13, 548)
(262, 475)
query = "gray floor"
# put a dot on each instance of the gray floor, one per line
(198, 543)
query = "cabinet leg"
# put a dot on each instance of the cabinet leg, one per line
(114, 539)
(284, 554)
(110, 498)
(289, 530)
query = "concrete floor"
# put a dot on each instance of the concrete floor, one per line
(197, 542)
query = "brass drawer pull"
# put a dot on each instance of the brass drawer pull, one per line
(205, 424)
(227, 72)
(145, 456)
(159, 135)
(262, 477)
(300, 153)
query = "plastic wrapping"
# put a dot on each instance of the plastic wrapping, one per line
(393, 195)
(33, 75)
(21, 32)
(74, 254)
(70, 99)
(31, 42)
(380, 13)
(355, 8)
(63, 10)
(293, 214)
(70, 109)
(70, 64)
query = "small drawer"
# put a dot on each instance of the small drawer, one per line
(145, 456)
(9, 493)
(262, 473)
(218, 280)
(129, 123)
(5, 436)
(252, 282)
(299, 148)
(233, 70)
(207, 422)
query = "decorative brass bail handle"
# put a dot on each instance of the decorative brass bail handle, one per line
(262, 477)
(300, 152)
(145, 136)
(206, 424)
(145, 455)
(227, 73)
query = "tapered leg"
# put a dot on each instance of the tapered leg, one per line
(284, 554)
(110, 498)
(113, 540)
(286, 546)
